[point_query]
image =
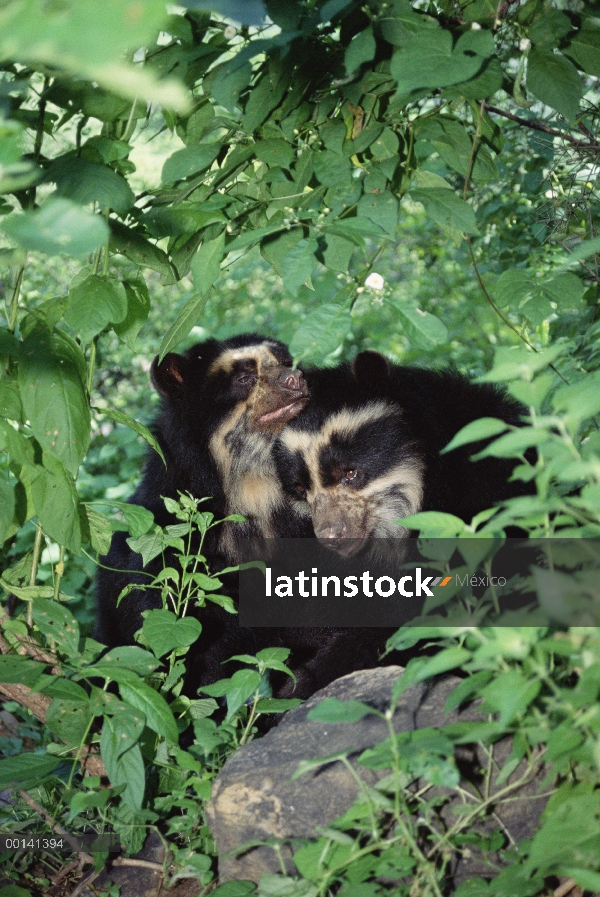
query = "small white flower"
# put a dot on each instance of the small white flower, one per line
(475, 26)
(375, 281)
(524, 44)
(230, 32)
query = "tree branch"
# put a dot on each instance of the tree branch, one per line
(538, 126)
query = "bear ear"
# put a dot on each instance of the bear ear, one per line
(370, 369)
(169, 376)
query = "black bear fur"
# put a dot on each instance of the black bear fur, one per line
(370, 423)
(223, 404)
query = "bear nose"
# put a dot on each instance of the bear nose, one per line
(292, 380)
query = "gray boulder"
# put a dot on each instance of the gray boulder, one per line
(253, 798)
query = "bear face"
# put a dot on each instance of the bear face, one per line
(223, 405)
(367, 450)
(357, 472)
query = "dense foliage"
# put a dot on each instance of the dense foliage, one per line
(452, 146)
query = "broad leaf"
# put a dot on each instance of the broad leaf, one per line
(53, 395)
(60, 227)
(94, 303)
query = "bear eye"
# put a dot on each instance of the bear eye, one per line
(349, 476)
(300, 489)
(245, 379)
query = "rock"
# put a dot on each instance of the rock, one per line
(253, 798)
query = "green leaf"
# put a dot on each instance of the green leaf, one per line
(230, 79)
(60, 227)
(120, 417)
(482, 428)
(14, 891)
(138, 308)
(7, 508)
(149, 545)
(132, 244)
(185, 218)
(274, 249)
(124, 767)
(332, 710)
(509, 695)
(434, 523)
(566, 290)
(322, 332)
(154, 707)
(275, 152)
(386, 146)
(511, 287)
(454, 144)
(206, 264)
(56, 501)
(56, 622)
(297, 264)
(360, 49)
(337, 253)
(266, 94)
(447, 209)
(188, 161)
(421, 327)
(330, 168)
(555, 81)
(513, 444)
(16, 668)
(430, 60)
(549, 29)
(382, 209)
(584, 48)
(130, 657)
(512, 362)
(69, 720)
(139, 520)
(164, 631)
(95, 302)
(9, 344)
(100, 530)
(53, 395)
(26, 770)
(253, 235)
(90, 182)
(277, 705)
(420, 669)
(186, 319)
(242, 686)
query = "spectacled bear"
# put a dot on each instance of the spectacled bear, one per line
(222, 406)
(366, 451)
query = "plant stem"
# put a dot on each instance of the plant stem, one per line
(35, 560)
(91, 366)
(13, 305)
(58, 572)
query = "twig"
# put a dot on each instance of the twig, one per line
(538, 126)
(84, 883)
(565, 888)
(143, 864)
(499, 313)
(62, 873)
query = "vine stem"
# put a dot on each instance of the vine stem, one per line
(482, 285)
(499, 313)
(59, 571)
(91, 366)
(13, 309)
(35, 561)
